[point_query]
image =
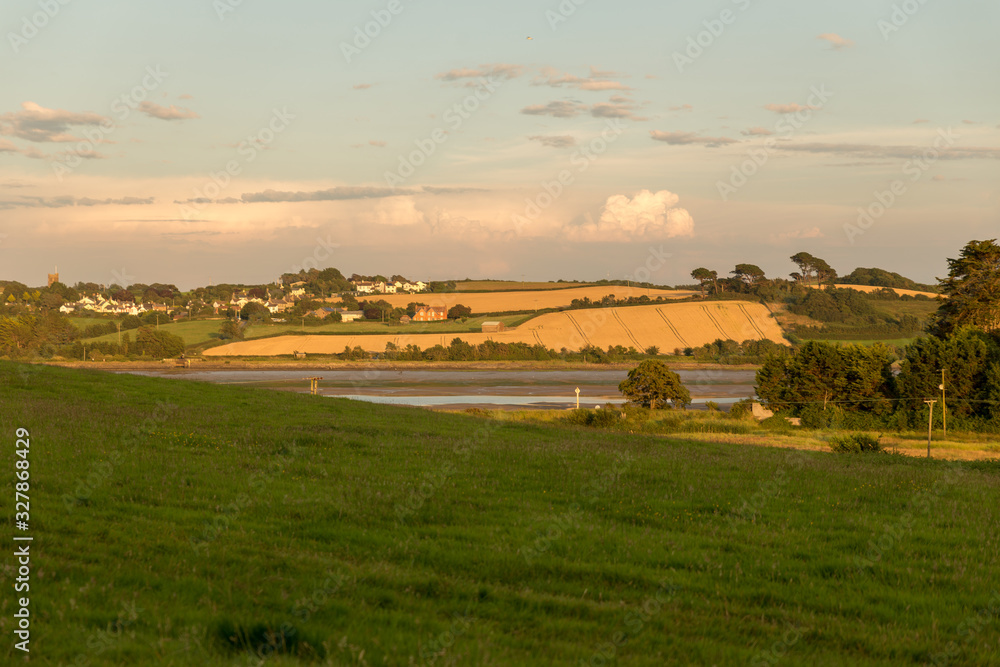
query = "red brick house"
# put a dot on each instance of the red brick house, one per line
(430, 314)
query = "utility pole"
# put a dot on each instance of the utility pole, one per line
(944, 406)
(930, 421)
(119, 332)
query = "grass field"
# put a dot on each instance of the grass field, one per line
(198, 332)
(668, 326)
(182, 523)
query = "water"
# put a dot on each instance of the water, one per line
(538, 389)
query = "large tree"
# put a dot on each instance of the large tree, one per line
(750, 274)
(972, 289)
(651, 383)
(703, 276)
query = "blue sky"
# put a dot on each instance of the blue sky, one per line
(207, 140)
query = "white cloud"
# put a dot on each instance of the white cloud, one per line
(166, 113)
(38, 124)
(646, 216)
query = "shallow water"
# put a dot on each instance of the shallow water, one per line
(538, 389)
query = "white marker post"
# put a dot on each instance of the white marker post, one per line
(577, 398)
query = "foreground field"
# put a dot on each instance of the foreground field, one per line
(669, 326)
(187, 524)
(503, 302)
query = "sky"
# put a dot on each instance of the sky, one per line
(209, 141)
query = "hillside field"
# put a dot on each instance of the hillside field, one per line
(181, 523)
(503, 302)
(667, 326)
(897, 290)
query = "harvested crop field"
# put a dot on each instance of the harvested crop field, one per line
(501, 302)
(667, 326)
(897, 290)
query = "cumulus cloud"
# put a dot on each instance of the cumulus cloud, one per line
(185, 96)
(377, 144)
(836, 41)
(362, 86)
(689, 138)
(556, 109)
(683, 107)
(645, 216)
(757, 132)
(789, 108)
(399, 212)
(166, 113)
(500, 71)
(38, 124)
(561, 141)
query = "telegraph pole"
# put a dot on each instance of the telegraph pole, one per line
(930, 421)
(944, 406)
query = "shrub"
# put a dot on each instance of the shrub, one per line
(711, 406)
(855, 443)
(742, 409)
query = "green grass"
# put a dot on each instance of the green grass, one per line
(176, 522)
(898, 342)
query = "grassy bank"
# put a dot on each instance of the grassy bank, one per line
(187, 524)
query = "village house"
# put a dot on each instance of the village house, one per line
(430, 314)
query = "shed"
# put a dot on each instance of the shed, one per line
(493, 327)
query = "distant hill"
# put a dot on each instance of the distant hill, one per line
(883, 278)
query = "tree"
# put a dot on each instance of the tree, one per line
(255, 313)
(459, 311)
(748, 273)
(703, 275)
(158, 344)
(973, 291)
(651, 382)
(231, 330)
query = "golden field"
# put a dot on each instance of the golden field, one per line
(667, 326)
(870, 288)
(501, 302)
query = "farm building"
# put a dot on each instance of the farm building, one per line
(493, 327)
(430, 314)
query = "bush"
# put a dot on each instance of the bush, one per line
(742, 409)
(855, 443)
